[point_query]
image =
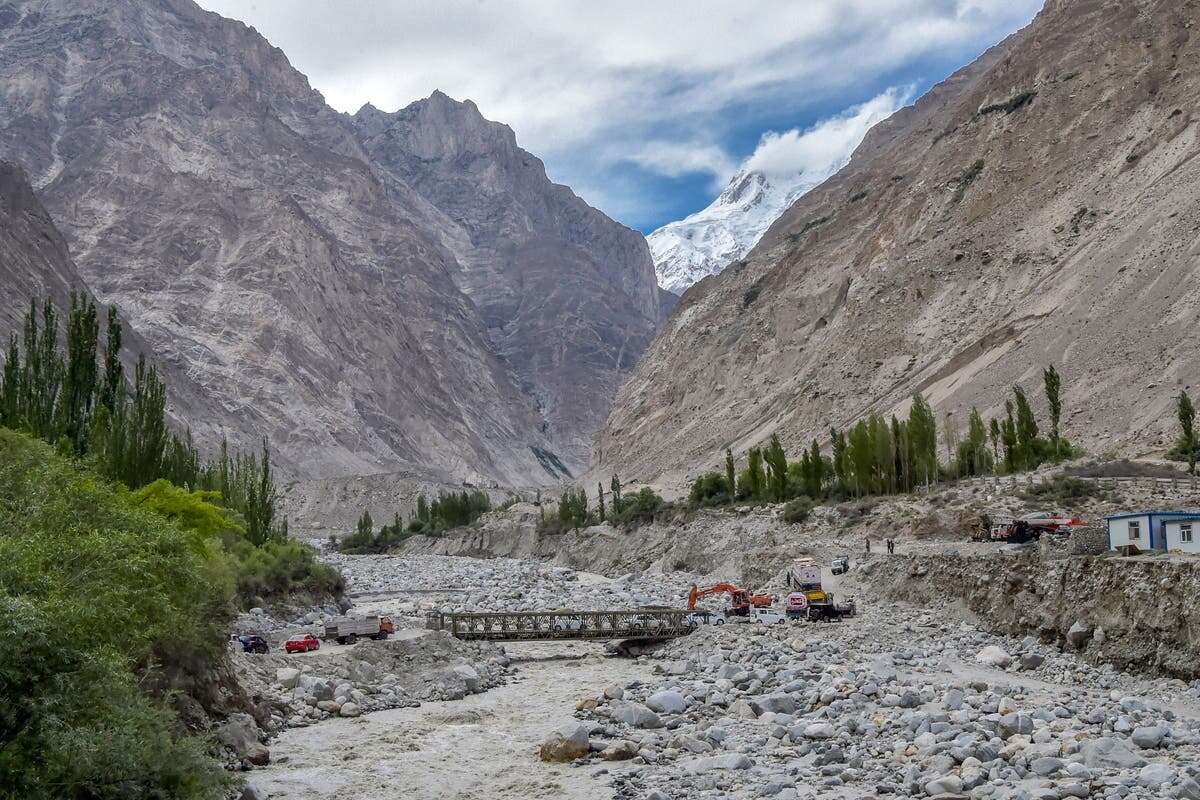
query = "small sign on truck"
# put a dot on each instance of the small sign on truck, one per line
(347, 630)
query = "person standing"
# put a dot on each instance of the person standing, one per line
(868, 540)
(891, 546)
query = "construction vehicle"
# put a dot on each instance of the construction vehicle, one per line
(808, 599)
(1028, 528)
(740, 600)
(347, 630)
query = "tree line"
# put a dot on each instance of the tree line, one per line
(59, 385)
(448, 510)
(888, 456)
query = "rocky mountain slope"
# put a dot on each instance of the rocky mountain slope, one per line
(291, 286)
(567, 296)
(34, 261)
(1040, 205)
(704, 243)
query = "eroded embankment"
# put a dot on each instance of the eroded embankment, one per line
(1135, 613)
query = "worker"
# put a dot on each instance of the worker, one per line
(868, 540)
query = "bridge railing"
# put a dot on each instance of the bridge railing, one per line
(523, 625)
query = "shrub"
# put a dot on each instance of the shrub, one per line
(708, 490)
(1063, 488)
(797, 510)
(278, 570)
(638, 507)
(96, 590)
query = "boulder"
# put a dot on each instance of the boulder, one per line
(1079, 635)
(993, 656)
(1155, 775)
(619, 750)
(946, 784)
(1147, 738)
(820, 730)
(288, 677)
(667, 702)
(1110, 753)
(240, 734)
(470, 677)
(635, 715)
(567, 742)
(722, 761)
(349, 710)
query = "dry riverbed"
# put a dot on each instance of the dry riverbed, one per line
(483, 746)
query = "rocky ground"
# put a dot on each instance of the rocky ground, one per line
(900, 702)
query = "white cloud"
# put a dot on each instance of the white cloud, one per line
(674, 159)
(587, 84)
(827, 145)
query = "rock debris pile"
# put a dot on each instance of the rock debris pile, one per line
(457, 584)
(894, 704)
(370, 676)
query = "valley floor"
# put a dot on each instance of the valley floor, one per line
(903, 701)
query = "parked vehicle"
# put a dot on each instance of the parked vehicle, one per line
(567, 624)
(348, 630)
(302, 643)
(805, 573)
(1027, 528)
(768, 616)
(648, 621)
(840, 565)
(740, 600)
(703, 616)
(252, 643)
(809, 600)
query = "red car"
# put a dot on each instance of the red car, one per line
(302, 643)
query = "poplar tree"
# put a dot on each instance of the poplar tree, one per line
(1008, 437)
(1053, 386)
(1187, 427)
(1027, 431)
(753, 477)
(922, 431)
(79, 380)
(730, 473)
(837, 445)
(600, 500)
(994, 434)
(777, 469)
(10, 385)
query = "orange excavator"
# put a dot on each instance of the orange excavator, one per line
(740, 600)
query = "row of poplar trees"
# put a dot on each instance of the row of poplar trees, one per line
(57, 385)
(887, 456)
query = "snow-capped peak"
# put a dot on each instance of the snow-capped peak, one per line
(706, 242)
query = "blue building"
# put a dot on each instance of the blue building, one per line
(1143, 529)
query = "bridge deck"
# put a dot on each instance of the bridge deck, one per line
(525, 625)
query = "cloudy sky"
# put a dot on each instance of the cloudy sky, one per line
(644, 107)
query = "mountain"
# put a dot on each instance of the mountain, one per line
(568, 296)
(34, 261)
(704, 243)
(1041, 205)
(291, 285)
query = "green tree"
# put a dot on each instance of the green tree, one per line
(1027, 431)
(973, 457)
(1053, 385)
(753, 481)
(600, 510)
(1187, 428)
(709, 489)
(79, 377)
(922, 432)
(730, 473)
(837, 445)
(365, 529)
(615, 486)
(994, 435)
(775, 460)
(1008, 437)
(10, 386)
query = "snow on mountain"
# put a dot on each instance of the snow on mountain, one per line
(784, 167)
(704, 243)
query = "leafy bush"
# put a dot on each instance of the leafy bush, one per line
(279, 570)
(94, 591)
(710, 489)
(637, 507)
(797, 510)
(1061, 489)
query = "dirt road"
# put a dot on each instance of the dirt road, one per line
(483, 746)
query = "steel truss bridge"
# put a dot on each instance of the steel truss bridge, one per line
(516, 626)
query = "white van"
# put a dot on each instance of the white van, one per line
(768, 616)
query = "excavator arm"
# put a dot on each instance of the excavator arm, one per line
(738, 597)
